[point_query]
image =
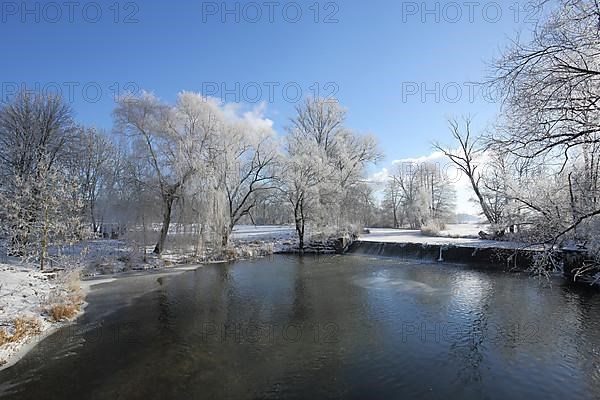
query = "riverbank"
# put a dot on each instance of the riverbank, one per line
(33, 304)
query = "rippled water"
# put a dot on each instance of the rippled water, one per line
(327, 327)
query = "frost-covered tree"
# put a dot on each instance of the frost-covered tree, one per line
(36, 138)
(305, 172)
(550, 88)
(164, 139)
(42, 212)
(321, 122)
(245, 168)
(422, 194)
(549, 82)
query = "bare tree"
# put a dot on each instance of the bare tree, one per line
(158, 142)
(422, 194)
(393, 201)
(320, 120)
(549, 84)
(466, 160)
(247, 167)
(93, 164)
(36, 133)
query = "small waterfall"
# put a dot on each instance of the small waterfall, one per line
(485, 257)
(401, 250)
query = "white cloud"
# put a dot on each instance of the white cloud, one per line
(436, 156)
(251, 119)
(256, 118)
(380, 176)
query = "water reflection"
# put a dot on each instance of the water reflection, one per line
(322, 327)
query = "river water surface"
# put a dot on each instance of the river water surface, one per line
(322, 327)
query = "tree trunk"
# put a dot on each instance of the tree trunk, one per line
(300, 231)
(93, 218)
(484, 207)
(44, 239)
(299, 219)
(225, 237)
(164, 230)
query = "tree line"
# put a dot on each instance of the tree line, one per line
(196, 162)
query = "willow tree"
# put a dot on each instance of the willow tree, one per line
(162, 138)
(245, 167)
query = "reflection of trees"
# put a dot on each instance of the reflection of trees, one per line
(301, 303)
(519, 321)
(586, 338)
(167, 326)
(323, 308)
(472, 294)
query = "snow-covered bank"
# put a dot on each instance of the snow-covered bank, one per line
(32, 305)
(383, 235)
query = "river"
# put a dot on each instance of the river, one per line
(322, 327)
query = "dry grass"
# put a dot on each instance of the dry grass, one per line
(4, 337)
(23, 328)
(63, 312)
(64, 304)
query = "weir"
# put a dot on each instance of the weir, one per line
(488, 257)
(505, 259)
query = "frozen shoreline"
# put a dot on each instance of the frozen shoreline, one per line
(24, 294)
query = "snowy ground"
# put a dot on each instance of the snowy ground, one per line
(281, 237)
(108, 257)
(470, 231)
(457, 235)
(263, 232)
(454, 234)
(24, 295)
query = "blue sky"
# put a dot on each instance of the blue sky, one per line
(377, 57)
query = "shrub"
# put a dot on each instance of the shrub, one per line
(64, 303)
(63, 312)
(25, 327)
(71, 280)
(432, 228)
